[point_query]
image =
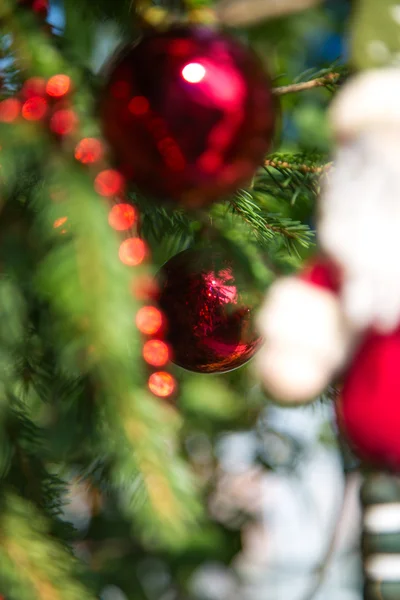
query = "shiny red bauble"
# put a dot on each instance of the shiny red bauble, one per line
(40, 7)
(369, 408)
(189, 114)
(210, 327)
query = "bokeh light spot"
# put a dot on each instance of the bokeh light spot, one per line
(122, 216)
(171, 153)
(210, 161)
(59, 222)
(34, 108)
(35, 86)
(162, 384)
(139, 105)
(193, 72)
(149, 320)
(89, 151)
(132, 251)
(58, 85)
(9, 110)
(145, 287)
(120, 89)
(156, 353)
(41, 7)
(63, 121)
(108, 183)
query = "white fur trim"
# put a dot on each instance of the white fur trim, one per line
(369, 100)
(359, 224)
(306, 340)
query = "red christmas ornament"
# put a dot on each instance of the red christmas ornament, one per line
(368, 411)
(369, 408)
(189, 114)
(209, 321)
(40, 7)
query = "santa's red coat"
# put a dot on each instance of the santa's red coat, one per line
(368, 410)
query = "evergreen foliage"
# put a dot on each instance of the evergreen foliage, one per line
(74, 406)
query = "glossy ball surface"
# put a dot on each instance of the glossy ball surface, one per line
(189, 114)
(210, 327)
(369, 408)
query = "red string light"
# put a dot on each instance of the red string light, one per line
(139, 105)
(58, 85)
(132, 251)
(145, 287)
(59, 222)
(63, 121)
(162, 384)
(89, 151)
(156, 353)
(109, 183)
(149, 320)
(34, 108)
(9, 110)
(35, 86)
(122, 216)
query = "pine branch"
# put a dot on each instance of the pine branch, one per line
(267, 226)
(283, 165)
(88, 293)
(88, 289)
(292, 177)
(33, 565)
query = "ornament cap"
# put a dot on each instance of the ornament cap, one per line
(368, 101)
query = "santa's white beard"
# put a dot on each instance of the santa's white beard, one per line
(359, 227)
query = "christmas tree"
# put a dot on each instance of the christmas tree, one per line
(160, 168)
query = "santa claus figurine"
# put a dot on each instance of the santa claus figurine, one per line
(340, 318)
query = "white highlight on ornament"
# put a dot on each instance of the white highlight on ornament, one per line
(382, 518)
(306, 340)
(193, 72)
(384, 567)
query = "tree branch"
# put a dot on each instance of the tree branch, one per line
(307, 85)
(282, 164)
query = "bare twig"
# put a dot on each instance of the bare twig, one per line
(307, 85)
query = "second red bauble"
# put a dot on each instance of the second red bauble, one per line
(189, 114)
(209, 317)
(369, 407)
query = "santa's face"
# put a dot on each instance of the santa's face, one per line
(359, 227)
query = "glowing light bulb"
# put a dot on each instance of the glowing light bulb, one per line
(34, 108)
(156, 353)
(162, 384)
(193, 72)
(9, 110)
(132, 251)
(149, 320)
(122, 216)
(89, 150)
(58, 85)
(108, 183)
